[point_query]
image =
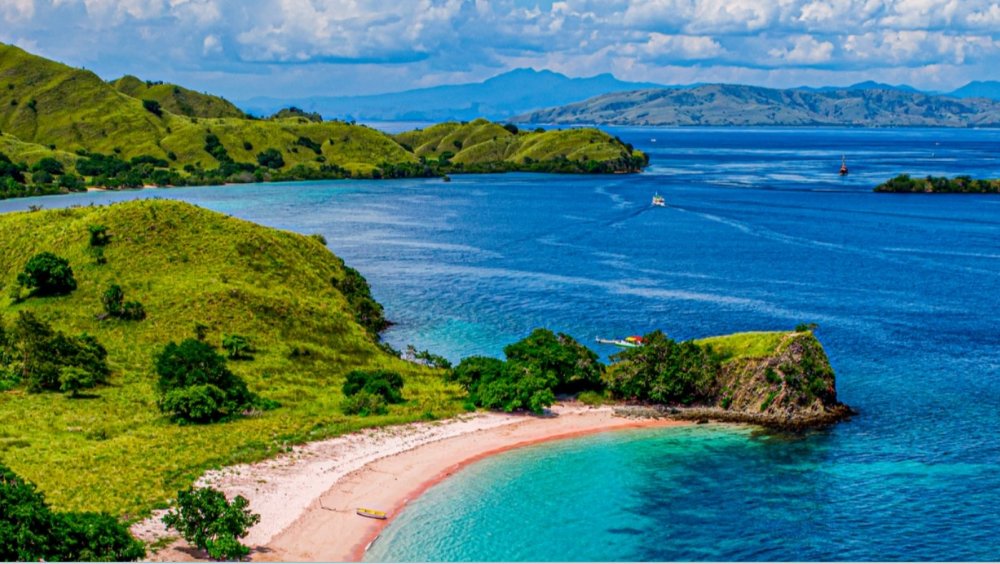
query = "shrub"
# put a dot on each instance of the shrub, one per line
(271, 158)
(116, 306)
(363, 404)
(49, 165)
(48, 275)
(237, 346)
(99, 236)
(153, 107)
(511, 128)
(196, 386)
(207, 520)
(72, 379)
(386, 384)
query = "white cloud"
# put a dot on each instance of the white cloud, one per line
(804, 50)
(15, 11)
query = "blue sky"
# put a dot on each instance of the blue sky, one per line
(293, 48)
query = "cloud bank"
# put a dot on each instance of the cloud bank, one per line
(244, 48)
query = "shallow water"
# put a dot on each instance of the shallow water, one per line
(759, 233)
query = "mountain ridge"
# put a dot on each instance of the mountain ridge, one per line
(740, 105)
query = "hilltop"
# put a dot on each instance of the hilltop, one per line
(177, 99)
(127, 134)
(499, 97)
(736, 105)
(113, 450)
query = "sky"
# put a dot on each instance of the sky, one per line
(294, 48)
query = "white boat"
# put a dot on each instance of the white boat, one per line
(659, 201)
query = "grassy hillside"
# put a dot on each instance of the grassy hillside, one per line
(481, 141)
(115, 451)
(177, 99)
(146, 133)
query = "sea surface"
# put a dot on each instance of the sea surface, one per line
(760, 233)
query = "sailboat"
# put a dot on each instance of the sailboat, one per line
(843, 165)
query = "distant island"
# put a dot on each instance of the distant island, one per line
(64, 129)
(739, 105)
(904, 184)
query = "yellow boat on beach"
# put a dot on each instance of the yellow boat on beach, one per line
(371, 513)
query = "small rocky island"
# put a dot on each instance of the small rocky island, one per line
(904, 184)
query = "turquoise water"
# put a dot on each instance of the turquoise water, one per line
(759, 233)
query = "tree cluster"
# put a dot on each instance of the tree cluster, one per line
(663, 371)
(537, 368)
(368, 392)
(115, 305)
(31, 532)
(34, 354)
(196, 386)
(47, 274)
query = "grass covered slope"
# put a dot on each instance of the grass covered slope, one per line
(484, 143)
(776, 378)
(177, 99)
(113, 450)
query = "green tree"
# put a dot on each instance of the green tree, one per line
(207, 520)
(195, 385)
(47, 275)
(72, 379)
(271, 158)
(116, 306)
(575, 367)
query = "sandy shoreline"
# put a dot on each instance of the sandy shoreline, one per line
(307, 498)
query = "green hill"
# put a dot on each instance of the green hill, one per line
(115, 451)
(48, 109)
(177, 99)
(480, 141)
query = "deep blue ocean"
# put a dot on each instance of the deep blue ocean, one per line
(759, 233)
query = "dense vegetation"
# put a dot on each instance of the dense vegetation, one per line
(664, 371)
(537, 368)
(31, 532)
(197, 274)
(134, 133)
(940, 185)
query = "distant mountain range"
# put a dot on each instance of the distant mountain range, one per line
(737, 105)
(502, 96)
(523, 91)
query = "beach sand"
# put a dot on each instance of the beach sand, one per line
(307, 498)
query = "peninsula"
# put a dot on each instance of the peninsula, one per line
(64, 129)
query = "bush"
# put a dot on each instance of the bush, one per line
(99, 236)
(31, 531)
(116, 306)
(153, 107)
(385, 384)
(49, 165)
(205, 519)
(237, 346)
(271, 158)
(511, 128)
(363, 404)
(48, 275)
(195, 385)
(72, 379)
